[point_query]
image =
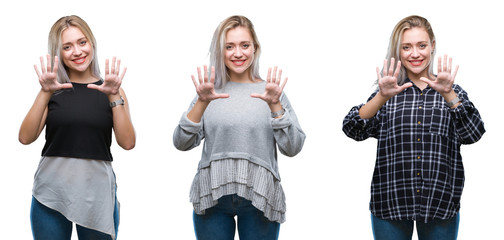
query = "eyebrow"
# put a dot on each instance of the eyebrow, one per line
(78, 40)
(416, 43)
(240, 42)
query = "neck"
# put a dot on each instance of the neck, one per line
(82, 77)
(241, 77)
(415, 78)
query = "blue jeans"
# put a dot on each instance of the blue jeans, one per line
(218, 222)
(403, 230)
(48, 224)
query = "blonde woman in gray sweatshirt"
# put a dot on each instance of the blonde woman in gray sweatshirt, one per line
(243, 120)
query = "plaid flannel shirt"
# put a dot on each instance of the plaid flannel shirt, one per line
(419, 173)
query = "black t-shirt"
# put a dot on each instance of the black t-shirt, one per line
(79, 124)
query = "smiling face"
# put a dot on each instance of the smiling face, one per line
(415, 53)
(76, 51)
(238, 52)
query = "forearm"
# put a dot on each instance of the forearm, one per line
(34, 121)
(196, 113)
(370, 109)
(123, 126)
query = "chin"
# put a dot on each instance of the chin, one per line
(417, 69)
(81, 68)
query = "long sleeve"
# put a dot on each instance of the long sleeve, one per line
(361, 129)
(188, 134)
(288, 133)
(468, 123)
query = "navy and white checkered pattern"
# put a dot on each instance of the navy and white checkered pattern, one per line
(418, 173)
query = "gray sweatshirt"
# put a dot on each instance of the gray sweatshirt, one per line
(241, 127)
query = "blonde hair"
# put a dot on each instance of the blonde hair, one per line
(55, 44)
(396, 37)
(217, 48)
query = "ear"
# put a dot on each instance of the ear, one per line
(433, 47)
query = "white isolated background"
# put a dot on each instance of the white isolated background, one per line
(328, 49)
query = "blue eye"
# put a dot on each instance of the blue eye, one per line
(83, 42)
(66, 48)
(245, 45)
(405, 47)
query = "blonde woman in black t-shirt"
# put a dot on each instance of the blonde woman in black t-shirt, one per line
(75, 181)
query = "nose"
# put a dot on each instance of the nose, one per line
(238, 53)
(77, 51)
(415, 52)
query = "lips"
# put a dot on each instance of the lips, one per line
(416, 63)
(80, 60)
(238, 62)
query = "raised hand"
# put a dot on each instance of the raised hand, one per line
(273, 89)
(388, 82)
(112, 82)
(48, 79)
(445, 79)
(205, 88)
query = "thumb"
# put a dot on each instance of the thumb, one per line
(93, 86)
(406, 85)
(66, 85)
(425, 80)
(223, 95)
(255, 95)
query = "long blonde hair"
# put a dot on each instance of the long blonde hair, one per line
(217, 48)
(394, 48)
(55, 44)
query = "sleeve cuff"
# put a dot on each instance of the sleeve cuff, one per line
(189, 125)
(282, 122)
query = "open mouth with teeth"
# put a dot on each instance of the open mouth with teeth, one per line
(80, 60)
(416, 62)
(238, 62)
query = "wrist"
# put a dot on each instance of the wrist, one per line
(201, 102)
(114, 97)
(381, 98)
(275, 107)
(449, 96)
(117, 102)
(46, 92)
(452, 100)
(278, 114)
(44, 96)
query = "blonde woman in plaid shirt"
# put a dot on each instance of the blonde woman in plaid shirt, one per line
(420, 120)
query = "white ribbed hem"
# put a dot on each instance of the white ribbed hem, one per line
(241, 177)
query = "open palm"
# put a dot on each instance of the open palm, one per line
(388, 82)
(112, 82)
(445, 78)
(273, 89)
(48, 78)
(205, 87)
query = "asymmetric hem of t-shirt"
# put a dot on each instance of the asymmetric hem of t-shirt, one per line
(89, 201)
